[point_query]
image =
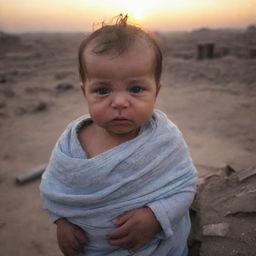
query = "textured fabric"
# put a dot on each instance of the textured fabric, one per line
(153, 169)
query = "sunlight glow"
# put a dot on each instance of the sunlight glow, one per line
(80, 15)
(139, 9)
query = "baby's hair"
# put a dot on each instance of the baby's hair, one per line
(117, 38)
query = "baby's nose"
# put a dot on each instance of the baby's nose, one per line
(120, 101)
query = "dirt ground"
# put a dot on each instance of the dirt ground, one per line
(213, 102)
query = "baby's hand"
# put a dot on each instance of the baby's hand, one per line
(135, 229)
(71, 238)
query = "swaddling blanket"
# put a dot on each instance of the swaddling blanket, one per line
(153, 167)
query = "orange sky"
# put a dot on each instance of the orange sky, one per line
(79, 15)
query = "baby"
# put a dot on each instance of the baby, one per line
(120, 180)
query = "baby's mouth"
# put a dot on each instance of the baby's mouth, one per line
(121, 120)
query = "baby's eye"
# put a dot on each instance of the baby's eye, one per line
(136, 89)
(102, 91)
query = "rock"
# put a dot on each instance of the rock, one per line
(31, 174)
(243, 204)
(32, 107)
(8, 42)
(243, 167)
(7, 92)
(2, 113)
(240, 164)
(219, 229)
(2, 104)
(61, 75)
(62, 87)
(3, 79)
(247, 173)
(2, 224)
(223, 214)
(41, 106)
(36, 89)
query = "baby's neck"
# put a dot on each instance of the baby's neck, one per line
(115, 138)
(96, 140)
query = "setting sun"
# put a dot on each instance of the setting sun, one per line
(139, 10)
(80, 15)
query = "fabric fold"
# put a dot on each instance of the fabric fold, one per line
(153, 166)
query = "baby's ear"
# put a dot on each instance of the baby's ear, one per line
(158, 88)
(82, 85)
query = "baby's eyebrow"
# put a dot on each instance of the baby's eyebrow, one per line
(137, 80)
(100, 82)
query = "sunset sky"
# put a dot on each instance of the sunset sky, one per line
(79, 15)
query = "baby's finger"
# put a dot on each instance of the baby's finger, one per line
(120, 220)
(81, 236)
(122, 242)
(118, 233)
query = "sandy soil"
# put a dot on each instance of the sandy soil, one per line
(212, 101)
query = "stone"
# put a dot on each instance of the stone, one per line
(219, 229)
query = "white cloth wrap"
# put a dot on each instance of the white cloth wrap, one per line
(154, 169)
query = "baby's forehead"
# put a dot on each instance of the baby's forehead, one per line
(139, 45)
(138, 60)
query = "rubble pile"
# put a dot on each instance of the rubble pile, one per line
(224, 214)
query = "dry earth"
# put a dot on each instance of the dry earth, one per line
(212, 101)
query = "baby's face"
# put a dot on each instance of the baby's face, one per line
(121, 90)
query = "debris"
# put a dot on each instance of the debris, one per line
(41, 106)
(252, 191)
(205, 51)
(2, 224)
(242, 163)
(228, 206)
(31, 175)
(8, 42)
(219, 229)
(32, 107)
(242, 205)
(36, 89)
(242, 170)
(62, 87)
(3, 79)
(7, 92)
(252, 53)
(62, 75)
(229, 170)
(2, 104)
(247, 173)
(241, 214)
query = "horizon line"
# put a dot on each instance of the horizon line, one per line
(44, 31)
